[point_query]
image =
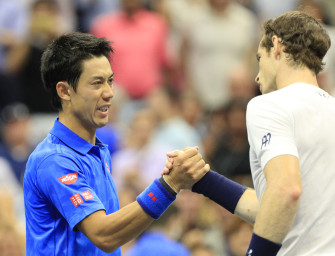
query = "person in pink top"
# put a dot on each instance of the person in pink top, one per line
(140, 38)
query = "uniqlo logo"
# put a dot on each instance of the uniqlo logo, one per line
(87, 195)
(76, 200)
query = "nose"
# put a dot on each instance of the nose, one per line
(108, 92)
(257, 79)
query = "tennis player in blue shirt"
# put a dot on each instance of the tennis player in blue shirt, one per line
(71, 202)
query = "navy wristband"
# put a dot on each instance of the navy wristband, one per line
(155, 199)
(167, 186)
(220, 189)
(260, 246)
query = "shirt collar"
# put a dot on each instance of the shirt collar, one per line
(71, 139)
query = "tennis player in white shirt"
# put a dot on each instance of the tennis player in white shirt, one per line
(291, 131)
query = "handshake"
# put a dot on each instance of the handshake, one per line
(184, 168)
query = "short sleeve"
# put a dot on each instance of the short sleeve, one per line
(62, 181)
(270, 129)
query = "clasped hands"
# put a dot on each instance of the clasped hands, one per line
(183, 168)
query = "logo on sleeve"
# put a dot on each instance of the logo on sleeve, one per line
(69, 179)
(266, 140)
(76, 200)
(87, 195)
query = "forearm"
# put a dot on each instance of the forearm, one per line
(276, 215)
(109, 232)
(229, 194)
(248, 206)
(122, 226)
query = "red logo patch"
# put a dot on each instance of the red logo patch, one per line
(87, 195)
(153, 198)
(76, 200)
(69, 179)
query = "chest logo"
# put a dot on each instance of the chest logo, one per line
(266, 140)
(69, 178)
(108, 168)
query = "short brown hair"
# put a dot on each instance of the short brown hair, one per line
(305, 40)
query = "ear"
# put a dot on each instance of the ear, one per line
(63, 91)
(277, 46)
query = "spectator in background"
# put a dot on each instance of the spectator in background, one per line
(11, 241)
(218, 38)
(89, 10)
(140, 159)
(140, 38)
(192, 112)
(24, 59)
(11, 198)
(238, 237)
(156, 240)
(317, 9)
(173, 131)
(13, 20)
(270, 9)
(231, 151)
(16, 147)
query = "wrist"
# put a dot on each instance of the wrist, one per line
(168, 180)
(167, 186)
(261, 246)
(155, 199)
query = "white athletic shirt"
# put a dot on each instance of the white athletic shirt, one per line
(299, 120)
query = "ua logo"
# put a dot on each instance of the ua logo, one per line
(266, 140)
(249, 253)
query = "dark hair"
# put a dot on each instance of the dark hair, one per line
(305, 40)
(63, 58)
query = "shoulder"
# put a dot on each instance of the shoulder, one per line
(268, 102)
(271, 109)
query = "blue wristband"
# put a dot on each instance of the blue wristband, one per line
(220, 189)
(155, 199)
(260, 246)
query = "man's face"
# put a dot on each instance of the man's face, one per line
(266, 77)
(90, 103)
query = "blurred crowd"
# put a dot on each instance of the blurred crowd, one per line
(184, 73)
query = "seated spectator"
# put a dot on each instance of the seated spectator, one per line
(16, 147)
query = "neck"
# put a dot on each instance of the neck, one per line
(289, 75)
(77, 127)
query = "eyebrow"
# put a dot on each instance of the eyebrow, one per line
(101, 77)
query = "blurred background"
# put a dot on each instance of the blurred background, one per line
(184, 73)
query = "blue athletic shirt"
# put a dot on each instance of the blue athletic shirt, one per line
(66, 180)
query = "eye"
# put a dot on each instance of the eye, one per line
(258, 57)
(110, 80)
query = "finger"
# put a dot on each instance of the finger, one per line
(190, 152)
(169, 163)
(173, 153)
(187, 148)
(165, 171)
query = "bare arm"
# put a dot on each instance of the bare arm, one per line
(247, 207)
(281, 198)
(109, 232)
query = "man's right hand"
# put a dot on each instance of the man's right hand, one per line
(188, 167)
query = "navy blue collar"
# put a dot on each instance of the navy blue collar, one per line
(71, 139)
